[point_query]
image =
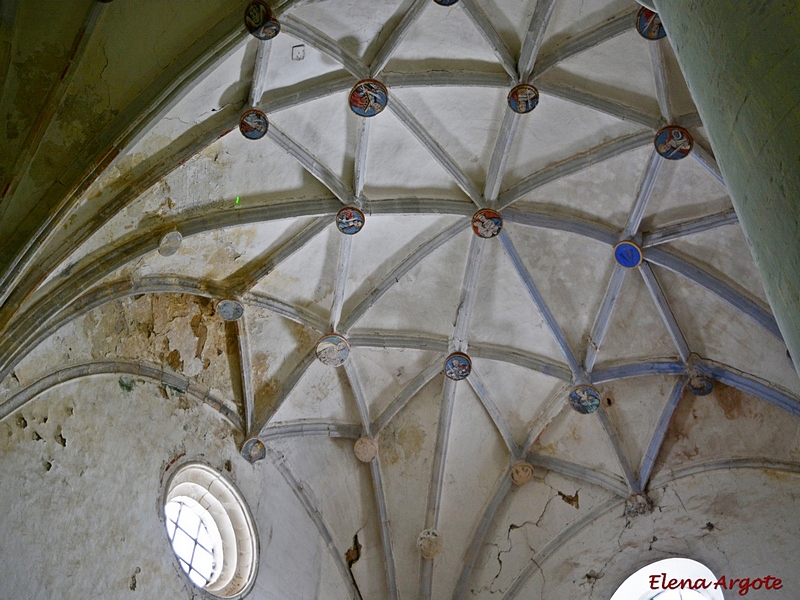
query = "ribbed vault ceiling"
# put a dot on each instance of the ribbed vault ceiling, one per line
(539, 308)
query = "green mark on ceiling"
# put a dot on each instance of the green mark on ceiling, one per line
(127, 384)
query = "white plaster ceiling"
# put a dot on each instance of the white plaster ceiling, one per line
(94, 300)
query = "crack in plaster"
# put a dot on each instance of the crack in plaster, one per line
(351, 556)
(501, 551)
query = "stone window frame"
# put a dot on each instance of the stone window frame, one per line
(214, 492)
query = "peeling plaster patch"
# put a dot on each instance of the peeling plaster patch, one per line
(114, 438)
(572, 500)
(351, 556)
(173, 331)
(132, 585)
(401, 441)
(60, 438)
(729, 399)
(721, 426)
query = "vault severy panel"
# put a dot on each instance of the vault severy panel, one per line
(407, 305)
(284, 73)
(476, 460)
(720, 426)
(442, 37)
(528, 520)
(227, 169)
(572, 17)
(277, 347)
(322, 394)
(540, 143)
(324, 468)
(294, 560)
(464, 121)
(521, 394)
(571, 273)
(395, 153)
(636, 330)
(579, 439)
(257, 171)
(307, 277)
(604, 192)
(504, 314)
(406, 454)
(326, 128)
(636, 406)
(724, 250)
(685, 190)
(359, 36)
(217, 254)
(385, 243)
(597, 72)
(385, 373)
(511, 19)
(715, 330)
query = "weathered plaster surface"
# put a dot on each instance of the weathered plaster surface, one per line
(173, 332)
(578, 439)
(729, 419)
(93, 100)
(103, 434)
(340, 487)
(708, 517)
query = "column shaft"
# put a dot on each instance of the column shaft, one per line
(741, 60)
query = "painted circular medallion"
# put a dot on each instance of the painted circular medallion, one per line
(673, 142)
(585, 399)
(523, 98)
(254, 124)
(170, 243)
(230, 310)
(700, 385)
(487, 223)
(368, 97)
(253, 450)
(349, 220)
(649, 24)
(445, 2)
(333, 350)
(628, 254)
(457, 366)
(260, 22)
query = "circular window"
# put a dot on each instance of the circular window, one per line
(670, 579)
(211, 531)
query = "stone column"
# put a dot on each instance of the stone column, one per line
(741, 60)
